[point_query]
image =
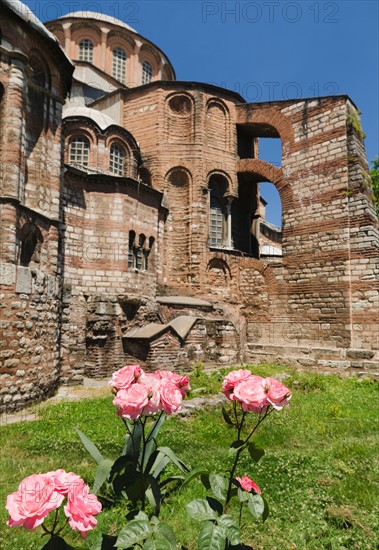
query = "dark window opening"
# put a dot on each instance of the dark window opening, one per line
(245, 215)
(31, 243)
(246, 142)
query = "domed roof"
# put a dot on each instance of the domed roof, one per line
(101, 119)
(98, 17)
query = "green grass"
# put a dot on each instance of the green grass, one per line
(319, 474)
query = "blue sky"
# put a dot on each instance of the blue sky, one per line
(265, 50)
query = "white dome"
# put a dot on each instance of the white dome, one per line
(98, 17)
(101, 119)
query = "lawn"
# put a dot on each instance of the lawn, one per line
(319, 474)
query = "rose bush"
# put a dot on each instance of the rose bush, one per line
(40, 494)
(142, 401)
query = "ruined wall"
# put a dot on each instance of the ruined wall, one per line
(326, 276)
(33, 75)
(99, 214)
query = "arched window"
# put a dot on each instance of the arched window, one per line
(131, 259)
(86, 50)
(147, 72)
(119, 64)
(218, 212)
(79, 151)
(117, 159)
(38, 71)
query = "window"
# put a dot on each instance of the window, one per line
(86, 50)
(147, 72)
(117, 160)
(119, 64)
(218, 212)
(216, 222)
(79, 151)
(138, 251)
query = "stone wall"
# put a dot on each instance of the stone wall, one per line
(34, 76)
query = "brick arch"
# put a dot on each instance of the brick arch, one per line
(269, 172)
(178, 183)
(269, 121)
(266, 272)
(265, 300)
(223, 174)
(218, 277)
(217, 123)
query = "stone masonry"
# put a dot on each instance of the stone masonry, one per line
(132, 228)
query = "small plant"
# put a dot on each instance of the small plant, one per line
(247, 394)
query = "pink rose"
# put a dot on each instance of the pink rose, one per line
(277, 394)
(248, 484)
(65, 482)
(171, 396)
(132, 401)
(152, 384)
(232, 379)
(125, 377)
(80, 509)
(252, 395)
(35, 498)
(182, 382)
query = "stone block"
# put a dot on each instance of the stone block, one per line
(7, 274)
(24, 280)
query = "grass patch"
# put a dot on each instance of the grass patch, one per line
(320, 473)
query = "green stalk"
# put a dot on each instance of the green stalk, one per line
(242, 448)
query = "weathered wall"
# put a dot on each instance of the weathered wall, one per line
(99, 213)
(33, 74)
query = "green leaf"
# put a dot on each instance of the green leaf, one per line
(159, 464)
(255, 452)
(243, 495)
(102, 473)
(90, 447)
(216, 505)
(167, 532)
(142, 516)
(256, 505)
(192, 474)
(135, 532)
(231, 527)
(132, 445)
(200, 510)
(159, 542)
(154, 495)
(227, 418)
(205, 480)
(218, 485)
(211, 537)
(174, 459)
(151, 438)
(235, 446)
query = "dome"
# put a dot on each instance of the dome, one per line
(97, 17)
(101, 119)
